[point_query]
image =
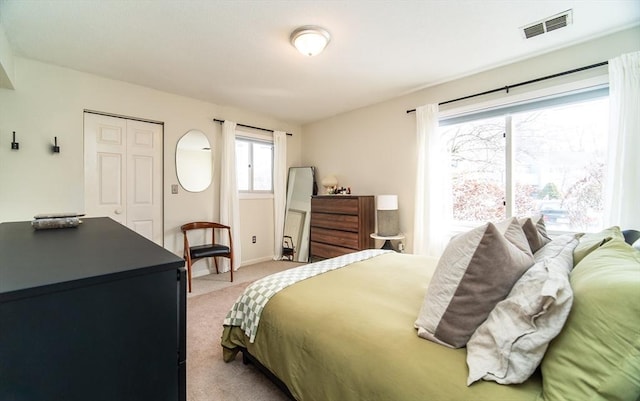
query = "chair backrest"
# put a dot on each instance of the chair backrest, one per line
(203, 225)
(287, 242)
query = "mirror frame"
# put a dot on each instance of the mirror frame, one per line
(300, 212)
(194, 169)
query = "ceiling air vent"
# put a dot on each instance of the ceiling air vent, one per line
(548, 24)
(533, 30)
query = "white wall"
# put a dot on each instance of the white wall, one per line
(49, 101)
(6, 61)
(372, 149)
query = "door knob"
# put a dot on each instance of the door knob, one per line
(118, 211)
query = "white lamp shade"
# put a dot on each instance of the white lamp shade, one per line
(387, 202)
(329, 181)
(310, 40)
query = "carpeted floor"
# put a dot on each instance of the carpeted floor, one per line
(208, 376)
(213, 282)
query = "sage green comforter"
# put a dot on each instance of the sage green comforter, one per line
(348, 335)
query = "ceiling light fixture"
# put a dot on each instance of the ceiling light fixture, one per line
(310, 40)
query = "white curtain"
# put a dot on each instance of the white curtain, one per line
(229, 205)
(431, 201)
(279, 189)
(622, 189)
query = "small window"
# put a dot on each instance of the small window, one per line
(254, 165)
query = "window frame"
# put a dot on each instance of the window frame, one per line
(252, 139)
(574, 92)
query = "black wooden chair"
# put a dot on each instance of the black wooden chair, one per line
(209, 250)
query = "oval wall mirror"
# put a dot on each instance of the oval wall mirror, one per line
(193, 161)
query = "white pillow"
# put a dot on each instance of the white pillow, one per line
(509, 345)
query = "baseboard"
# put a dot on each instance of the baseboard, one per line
(254, 261)
(201, 269)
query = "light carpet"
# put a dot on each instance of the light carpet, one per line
(208, 376)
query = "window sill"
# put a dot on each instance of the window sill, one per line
(255, 195)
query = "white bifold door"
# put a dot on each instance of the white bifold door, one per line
(123, 172)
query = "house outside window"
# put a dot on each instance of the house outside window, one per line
(546, 157)
(254, 165)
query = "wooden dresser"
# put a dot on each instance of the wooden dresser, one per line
(341, 224)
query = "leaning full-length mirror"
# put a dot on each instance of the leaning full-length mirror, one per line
(193, 161)
(297, 219)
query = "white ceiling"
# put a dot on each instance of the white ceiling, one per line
(237, 53)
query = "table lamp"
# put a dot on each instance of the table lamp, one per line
(388, 219)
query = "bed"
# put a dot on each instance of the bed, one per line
(341, 335)
(348, 334)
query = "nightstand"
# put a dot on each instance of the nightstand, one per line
(387, 240)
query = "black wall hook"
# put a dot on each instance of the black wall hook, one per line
(55, 148)
(15, 145)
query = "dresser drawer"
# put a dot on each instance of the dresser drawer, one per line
(321, 250)
(335, 221)
(341, 224)
(345, 239)
(335, 204)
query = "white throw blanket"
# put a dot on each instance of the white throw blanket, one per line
(246, 312)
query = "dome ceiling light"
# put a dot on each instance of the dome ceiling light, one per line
(310, 40)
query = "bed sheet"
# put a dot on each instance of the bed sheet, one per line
(348, 335)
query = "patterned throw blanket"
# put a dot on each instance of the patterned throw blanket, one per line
(246, 312)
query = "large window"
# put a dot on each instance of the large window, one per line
(254, 165)
(546, 157)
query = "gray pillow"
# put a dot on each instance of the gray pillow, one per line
(535, 231)
(508, 347)
(476, 271)
(514, 233)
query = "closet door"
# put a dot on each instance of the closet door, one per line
(123, 172)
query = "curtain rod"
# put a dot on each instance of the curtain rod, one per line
(506, 88)
(250, 126)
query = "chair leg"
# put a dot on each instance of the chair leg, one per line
(188, 260)
(230, 268)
